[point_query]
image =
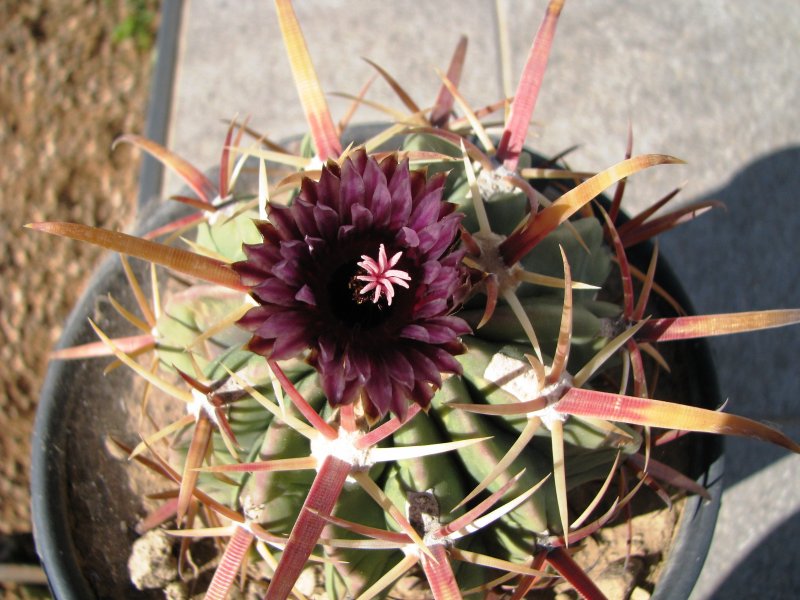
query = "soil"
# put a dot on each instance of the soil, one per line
(74, 75)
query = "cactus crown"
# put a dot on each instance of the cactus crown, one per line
(411, 352)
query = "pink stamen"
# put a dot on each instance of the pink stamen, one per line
(381, 277)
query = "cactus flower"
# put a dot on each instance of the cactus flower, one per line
(361, 271)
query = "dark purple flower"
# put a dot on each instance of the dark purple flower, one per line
(360, 270)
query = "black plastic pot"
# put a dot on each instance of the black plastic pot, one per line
(83, 512)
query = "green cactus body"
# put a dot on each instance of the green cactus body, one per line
(479, 460)
(276, 498)
(352, 570)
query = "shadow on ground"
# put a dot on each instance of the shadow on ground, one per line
(745, 258)
(770, 565)
(738, 259)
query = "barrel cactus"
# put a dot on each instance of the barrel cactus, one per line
(413, 352)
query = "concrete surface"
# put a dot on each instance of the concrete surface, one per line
(712, 82)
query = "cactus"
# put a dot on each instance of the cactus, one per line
(413, 356)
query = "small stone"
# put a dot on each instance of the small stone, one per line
(152, 564)
(307, 582)
(640, 594)
(619, 578)
(177, 590)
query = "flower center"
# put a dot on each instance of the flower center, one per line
(361, 292)
(381, 277)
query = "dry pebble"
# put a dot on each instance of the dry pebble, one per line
(152, 564)
(307, 581)
(619, 578)
(640, 594)
(177, 590)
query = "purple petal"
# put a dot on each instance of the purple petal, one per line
(254, 317)
(260, 346)
(431, 271)
(425, 212)
(267, 231)
(444, 284)
(260, 257)
(289, 346)
(316, 246)
(430, 193)
(249, 274)
(389, 166)
(400, 216)
(456, 324)
(308, 191)
(373, 178)
(327, 221)
(398, 403)
(422, 394)
(443, 360)
(288, 272)
(407, 238)
(360, 362)
(379, 387)
(275, 291)
(400, 369)
(328, 350)
(400, 189)
(306, 295)
(283, 220)
(436, 238)
(381, 206)
(359, 159)
(285, 323)
(294, 250)
(351, 190)
(352, 388)
(303, 214)
(418, 183)
(328, 190)
(431, 308)
(424, 368)
(333, 384)
(345, 231)
(361, 217)
(415, 332)
(438, 334)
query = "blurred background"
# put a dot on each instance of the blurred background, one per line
(712, 82)
(74, 74)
